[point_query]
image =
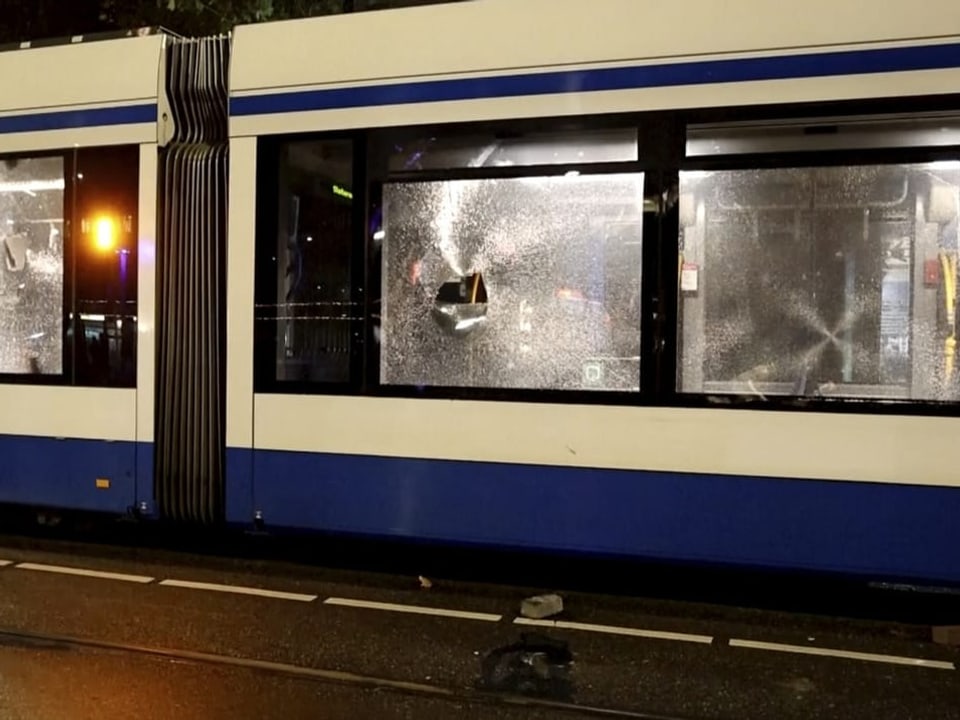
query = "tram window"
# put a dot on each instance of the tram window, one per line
(820, 282)
(31, 270)
(522, 283)
(103, 306)
(820, 134)
(306, 310)
(412, 151)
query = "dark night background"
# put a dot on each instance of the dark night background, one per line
(39, 19)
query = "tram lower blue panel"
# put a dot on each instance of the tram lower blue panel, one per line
(894, 531)
(63, 473)
(239, 498)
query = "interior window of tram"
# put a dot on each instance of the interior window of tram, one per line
(414, 151)
(31, 270)
(820, 282)
(104, 315)
(313, 310)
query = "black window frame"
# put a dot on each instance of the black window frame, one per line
(888, 156)
(75, 238)
(265, 279)
(661, 158)
(367, 191)
(72, 231)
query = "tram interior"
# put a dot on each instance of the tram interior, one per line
(823, 281)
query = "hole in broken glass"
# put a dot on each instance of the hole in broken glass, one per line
(461, 304)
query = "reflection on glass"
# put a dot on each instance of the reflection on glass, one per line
(313, 306)
(519, 283)
(820, 282)
(824, 134)
(104, 333)
(522, 150)
(31, 270)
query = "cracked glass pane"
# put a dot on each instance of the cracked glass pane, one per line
(31, 271)
(529, 283)
(820, 282)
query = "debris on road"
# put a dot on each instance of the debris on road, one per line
(541, 606)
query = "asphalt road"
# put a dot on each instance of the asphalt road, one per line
(56, 683)
(162, 635)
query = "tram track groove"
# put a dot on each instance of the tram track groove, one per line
(44, 641)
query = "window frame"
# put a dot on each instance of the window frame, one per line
(65, 377)
(883, 156)
(368, 186)
(661, 158)
(75, 262)
(68, 376)
(265, 281)
(610, 397)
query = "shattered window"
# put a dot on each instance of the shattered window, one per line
(31, 271)
(526, 283)
(820, 282)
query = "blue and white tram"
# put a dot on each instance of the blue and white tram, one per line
(672, 282)
(78, 168)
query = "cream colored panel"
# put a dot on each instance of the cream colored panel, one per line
(78, 137)
(762, 92)
(493, 35)
(108, 72)
(68, 412)
(880, 448)
(241, 246)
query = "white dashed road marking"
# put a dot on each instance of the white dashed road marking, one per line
(616, 630)
(845, 654)
(413, 609)
(490, 617)
(239, 590)
(142, 579)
